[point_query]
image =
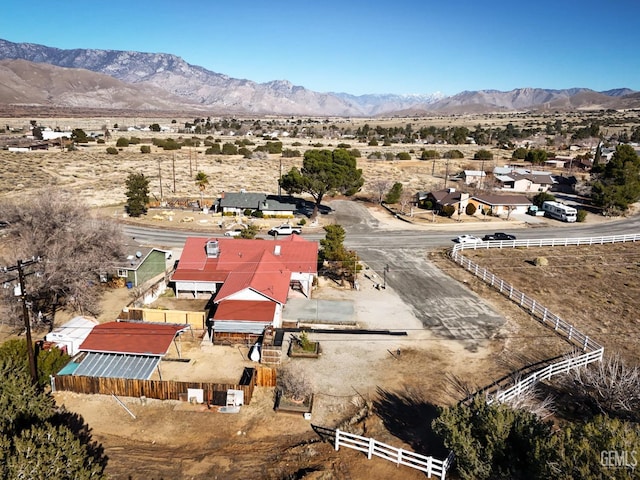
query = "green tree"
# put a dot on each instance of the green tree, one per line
(137, 194)
(619, 183)
(37, 440)
(536, 156)
(394, 193)
(154, 127)
(79, 136)
(249, 232)
(324, 171)
(483, 154)
(48, 362)
(494, 441)
(520, 153)
(542, 197)
(342, 262)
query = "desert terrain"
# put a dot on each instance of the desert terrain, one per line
(361, 384)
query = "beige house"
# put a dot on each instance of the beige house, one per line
(500, 205)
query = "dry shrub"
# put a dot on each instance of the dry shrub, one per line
(541, 262)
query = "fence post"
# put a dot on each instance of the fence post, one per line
(533, 306)
(337, 445)
(371, 446)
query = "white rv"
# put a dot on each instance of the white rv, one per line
(560, 211)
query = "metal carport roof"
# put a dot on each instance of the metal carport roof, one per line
(117, 365)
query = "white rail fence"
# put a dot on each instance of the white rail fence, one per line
(593, 350)
(431, 466)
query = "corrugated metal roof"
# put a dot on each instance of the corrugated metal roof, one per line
(239, 327)
(115, 365)
(137, 338)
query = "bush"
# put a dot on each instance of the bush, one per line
(541, 262)
(403, 156)
(373, 142)
(581, 215)
(453, 154)
(145, 149)
(122, 142)
(448, 210)
(429, 155)
(470, 209)
(112, 150)
(483, 155)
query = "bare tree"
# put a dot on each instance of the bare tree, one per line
(380, 187)
(293, 382)
(611, 386)
(406, 197)
(75, 246)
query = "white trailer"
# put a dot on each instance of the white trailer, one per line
(560, 211)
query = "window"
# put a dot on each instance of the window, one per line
(122, 272)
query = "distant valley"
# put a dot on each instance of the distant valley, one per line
(46, 77)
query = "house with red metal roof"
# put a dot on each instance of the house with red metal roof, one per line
(249, 280)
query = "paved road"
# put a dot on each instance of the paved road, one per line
(440, 303)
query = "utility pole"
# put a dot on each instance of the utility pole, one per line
(386, 269)
(25, 312)
(446, 175)
(160, 175)
(174, 172)
(279, 187)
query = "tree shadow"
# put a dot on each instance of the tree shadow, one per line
(82, 432)
(408, 416)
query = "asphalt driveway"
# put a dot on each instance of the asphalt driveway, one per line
(443, 305)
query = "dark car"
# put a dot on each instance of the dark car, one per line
(498, 236)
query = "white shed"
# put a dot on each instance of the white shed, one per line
(71, 334)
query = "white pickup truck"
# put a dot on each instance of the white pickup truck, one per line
(285, 229)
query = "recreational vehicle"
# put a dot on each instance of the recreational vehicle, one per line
(560, 211)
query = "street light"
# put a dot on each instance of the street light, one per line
(386, 269)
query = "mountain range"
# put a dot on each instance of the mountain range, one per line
(40, 76)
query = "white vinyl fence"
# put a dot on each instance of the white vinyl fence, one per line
(593, 350)
(431, 466)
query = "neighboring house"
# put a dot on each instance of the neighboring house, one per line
(69, 337)
(521, 180)
(448, 196)
(124, 350)
(473, 177)
(141, 264)
(250, 280)
(270, 205)
(500, 204)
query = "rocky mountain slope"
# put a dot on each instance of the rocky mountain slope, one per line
(92, 78)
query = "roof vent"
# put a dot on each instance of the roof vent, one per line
(138, 254)
(213, 249)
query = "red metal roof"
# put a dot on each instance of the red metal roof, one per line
(245, 310)
(131, 337)
(263, 273)
(295, 253)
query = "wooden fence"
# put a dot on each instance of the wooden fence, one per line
(431, 466)
(214, 393)
(593, 350)
(179, 317)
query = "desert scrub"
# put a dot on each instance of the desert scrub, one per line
(541, 262)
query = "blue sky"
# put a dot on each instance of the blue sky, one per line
(360, 47)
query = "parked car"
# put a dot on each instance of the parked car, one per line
(285, 229)
(233, 233)
(498, 236)
(468, 239)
